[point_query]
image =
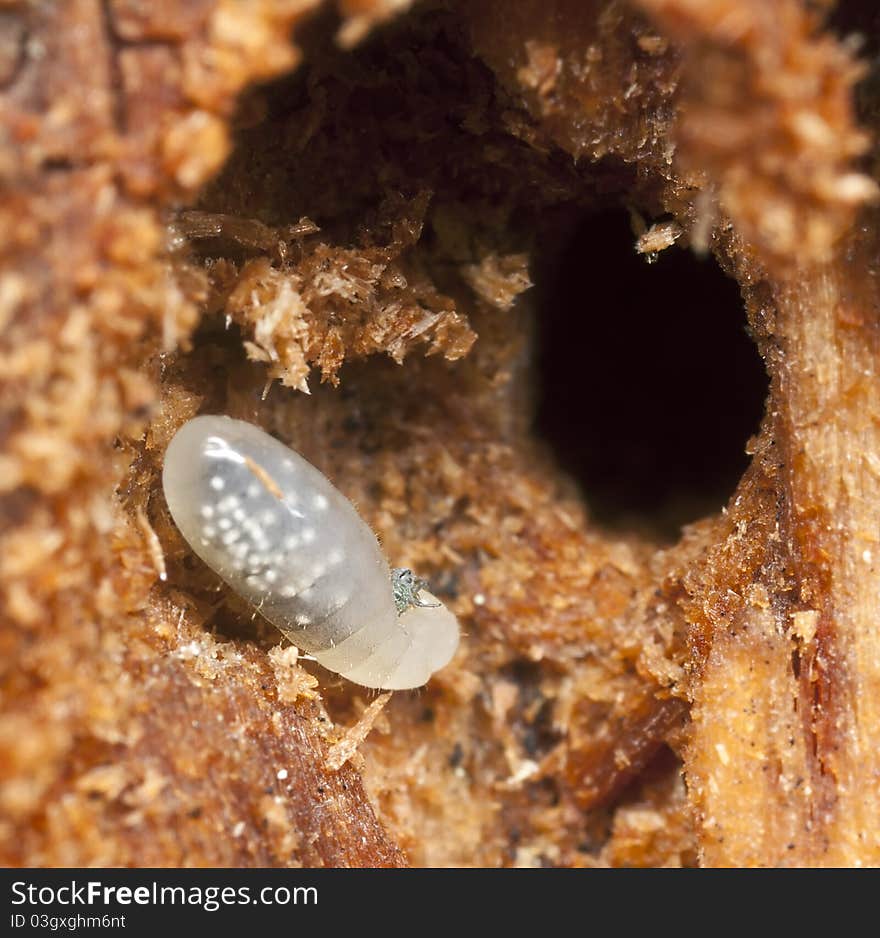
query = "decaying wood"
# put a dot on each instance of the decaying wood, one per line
(179, 236)
(343, 750)
(785, 697)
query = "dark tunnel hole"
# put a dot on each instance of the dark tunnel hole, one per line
(650, 385)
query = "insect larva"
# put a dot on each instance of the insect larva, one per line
(284, 538)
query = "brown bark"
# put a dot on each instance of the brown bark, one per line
(179, 236)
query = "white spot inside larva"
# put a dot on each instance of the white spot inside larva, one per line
(335, 557)
(317, 570)
(288, 464)
(253, 490)
(281, 774)
(308, 535)
(291, 542)
(209, 530)
(288, 592)
(224, 524)
(217, 483)
(228, 504)
(230, 537)
(319, 502)
(271, 576)
(239, 514)
(207, 511)
(268, 517)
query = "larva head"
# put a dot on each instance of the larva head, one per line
(407, 589)
(286, 540)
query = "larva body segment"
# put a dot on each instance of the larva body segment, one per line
(284, 538)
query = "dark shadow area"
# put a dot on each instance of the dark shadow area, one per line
(858, 24)
(649, 384)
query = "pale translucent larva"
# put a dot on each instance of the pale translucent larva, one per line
(284, 538)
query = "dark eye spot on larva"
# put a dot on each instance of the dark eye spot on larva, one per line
(288, 542)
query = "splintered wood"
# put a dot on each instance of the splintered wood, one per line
(714, 701)
(340, 752)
